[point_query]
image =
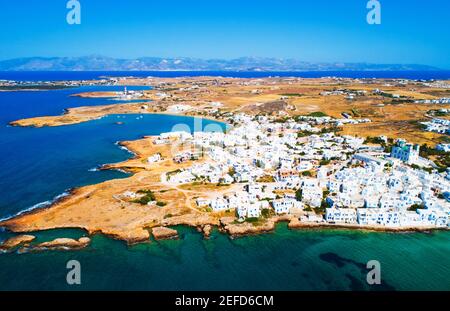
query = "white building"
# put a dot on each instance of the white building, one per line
(283, 206)
(154, 158)
(378, 216)
(406, 152)
(341, 215)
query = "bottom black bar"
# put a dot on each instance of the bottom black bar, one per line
(231, 300)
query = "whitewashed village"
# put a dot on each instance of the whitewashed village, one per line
(305, 169)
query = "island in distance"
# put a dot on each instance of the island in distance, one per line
(102, 63)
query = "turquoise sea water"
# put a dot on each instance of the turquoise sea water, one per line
(38, 164)
(284, 260)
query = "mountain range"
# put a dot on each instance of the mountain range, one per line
(102, 63)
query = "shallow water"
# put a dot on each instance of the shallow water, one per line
(283, 260)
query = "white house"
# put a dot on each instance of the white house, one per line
(219, 204)
(154, 158)
(203, 202)
(340, 215)
(283, 206)
(406, 152)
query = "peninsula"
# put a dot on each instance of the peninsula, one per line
(367, 154)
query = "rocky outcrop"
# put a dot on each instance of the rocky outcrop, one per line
(16, 241)
(207, 230)
(234, 228)
(163, 233)
(60, 244)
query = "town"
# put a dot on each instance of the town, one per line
(296, 168)
(325, 152)
(13, 85)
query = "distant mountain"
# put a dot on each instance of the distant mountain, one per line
(101, 63)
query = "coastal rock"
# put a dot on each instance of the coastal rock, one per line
(163, 233)
(207, 230)
(96, 95)
(193, 220)
(16, 241)
(295, 223)
(224, 221)
(245, 228)
(62, 244)
(79, 115)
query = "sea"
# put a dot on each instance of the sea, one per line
(39, 165)
(90, 75)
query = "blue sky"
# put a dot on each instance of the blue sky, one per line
(412, 31)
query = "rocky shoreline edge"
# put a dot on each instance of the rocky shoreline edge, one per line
(227, 225)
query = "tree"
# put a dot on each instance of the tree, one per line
(299, 194)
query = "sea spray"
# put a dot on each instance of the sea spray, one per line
(39, 205)
(102, 166)
(118, 143)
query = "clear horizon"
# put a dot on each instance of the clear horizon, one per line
(411, 31)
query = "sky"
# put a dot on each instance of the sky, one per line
(411, 31)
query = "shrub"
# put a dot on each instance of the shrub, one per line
(415, 207)
(317, 114)
(148, 196)
(299, 194)
(324, 162)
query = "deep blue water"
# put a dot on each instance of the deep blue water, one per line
(88, 75)
(38, 164)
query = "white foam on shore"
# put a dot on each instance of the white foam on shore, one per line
(120, 170)
(98, 169)
(38, 205)
(66, 193)
(117, 143)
